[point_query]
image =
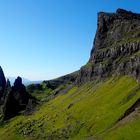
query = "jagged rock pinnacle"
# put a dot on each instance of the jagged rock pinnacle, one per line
(2, 78)
(8, 84)
(120, 11)
(18, 82)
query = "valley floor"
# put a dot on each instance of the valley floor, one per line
(90, 112)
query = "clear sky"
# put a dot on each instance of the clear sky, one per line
(45, 39)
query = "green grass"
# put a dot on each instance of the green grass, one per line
(128, 131)
(41, 94)
(87, 112)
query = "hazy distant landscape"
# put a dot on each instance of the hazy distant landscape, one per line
(25, 81)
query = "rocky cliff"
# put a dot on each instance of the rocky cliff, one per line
(116, 47)
(13, 99)
(2, 81)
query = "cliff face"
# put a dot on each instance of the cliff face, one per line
(13, 99)
(116, 47)
(2, 81)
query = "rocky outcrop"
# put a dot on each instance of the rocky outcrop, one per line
(19, 92)
(132, 109)
(10, 106)
(14, 99)
(2, 81)
(116, 47)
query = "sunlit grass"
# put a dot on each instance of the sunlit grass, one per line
(84, 112)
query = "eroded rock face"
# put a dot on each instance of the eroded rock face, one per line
(116, 47)
(10, 106)
(19, 92)
(2, 81)
(14, 98)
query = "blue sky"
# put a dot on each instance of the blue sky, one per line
(44, 39)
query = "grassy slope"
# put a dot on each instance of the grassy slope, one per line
(88, 112)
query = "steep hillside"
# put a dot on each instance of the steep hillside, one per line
(90, 112)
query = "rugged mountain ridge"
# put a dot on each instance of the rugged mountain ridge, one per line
(115, 49)
(13, 99)
(66, 79)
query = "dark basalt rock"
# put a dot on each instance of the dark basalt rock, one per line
(19, 92)
(10, 106)
(2, 81)
(116, 47)
(18, 83)
(2, 78)
(14, 99)
(7, 90)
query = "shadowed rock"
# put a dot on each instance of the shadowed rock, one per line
(2, 81)
(10, 107)
(15, 99)
(19, 92)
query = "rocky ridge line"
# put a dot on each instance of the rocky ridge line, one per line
(14, 99)
(116, 47)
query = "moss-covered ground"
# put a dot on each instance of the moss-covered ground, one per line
(89, 112)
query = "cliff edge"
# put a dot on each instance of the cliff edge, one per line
(116, 47)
